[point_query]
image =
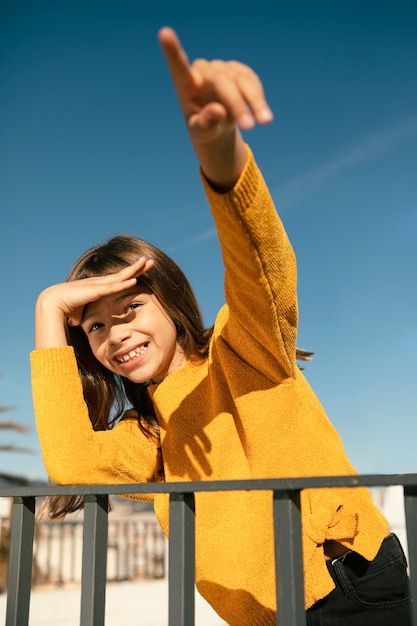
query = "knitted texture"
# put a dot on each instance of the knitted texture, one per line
(245, 412)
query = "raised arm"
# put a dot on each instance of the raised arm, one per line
(217, 98)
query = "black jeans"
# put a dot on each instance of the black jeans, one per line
(367, 593)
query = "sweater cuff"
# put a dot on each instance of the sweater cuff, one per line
(51, 361)
(244, 190)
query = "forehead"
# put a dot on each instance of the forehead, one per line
(114, 301)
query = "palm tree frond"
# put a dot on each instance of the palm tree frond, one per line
(21, 428)
(9, 448)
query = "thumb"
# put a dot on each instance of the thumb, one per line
(209, 121)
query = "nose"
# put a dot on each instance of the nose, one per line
(119, 331)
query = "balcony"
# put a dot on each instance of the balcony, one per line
(287, 530)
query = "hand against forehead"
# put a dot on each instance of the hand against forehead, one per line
(71, 297)
(214, 94)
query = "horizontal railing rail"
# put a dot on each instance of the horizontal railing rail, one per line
(287, 534)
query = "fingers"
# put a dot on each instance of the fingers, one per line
(121, 280)
(238, 88)
(134, 270)
(232, 85)
(249, 105)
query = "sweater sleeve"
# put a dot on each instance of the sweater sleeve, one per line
(260, 275)
(73, 453)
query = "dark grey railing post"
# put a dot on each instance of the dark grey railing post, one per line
(410, 505)
(20, 561)
(289, 559)
(94, 563)
(181, 559)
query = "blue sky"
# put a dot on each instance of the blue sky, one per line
(92, 144)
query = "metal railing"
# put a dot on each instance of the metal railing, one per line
(287, 535)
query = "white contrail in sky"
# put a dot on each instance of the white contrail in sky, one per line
(209, 233)
(368, 148)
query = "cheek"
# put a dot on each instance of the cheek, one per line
(170, 335)
(161, 326)
(98, 349)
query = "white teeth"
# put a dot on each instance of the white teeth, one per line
(133, 354)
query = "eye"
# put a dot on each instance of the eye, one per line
(94, 327)
(133, 305)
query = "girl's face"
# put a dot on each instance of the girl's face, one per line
(133, 336)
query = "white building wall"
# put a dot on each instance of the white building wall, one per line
(390, 501)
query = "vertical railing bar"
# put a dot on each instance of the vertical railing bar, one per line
(410, 506)
(289, 559)
(127, 551)
(61, 568)
(94, 560)
(20, 561)
(50, 530)
(73, 548)
(181, 570)
(135, 550)
(35, 555)
(117, 550)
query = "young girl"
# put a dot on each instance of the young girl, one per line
(129, 386)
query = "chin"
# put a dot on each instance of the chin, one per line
(139, 379)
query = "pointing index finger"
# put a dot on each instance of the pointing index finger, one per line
(175, 55)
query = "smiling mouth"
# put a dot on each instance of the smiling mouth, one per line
(133, 354)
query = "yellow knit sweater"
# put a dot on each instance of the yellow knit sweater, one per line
(245, 412)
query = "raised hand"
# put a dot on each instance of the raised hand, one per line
(212, 92)
(67, 301)
(216, 97)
